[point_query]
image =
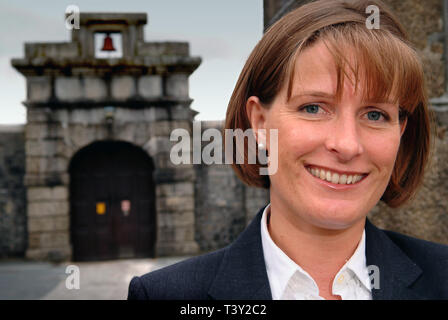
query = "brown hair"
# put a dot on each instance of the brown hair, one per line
(385, 59)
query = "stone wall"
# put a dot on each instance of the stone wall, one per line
(423, 21)
(224, 205)
(13, 222)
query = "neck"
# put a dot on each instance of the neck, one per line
(320, 252)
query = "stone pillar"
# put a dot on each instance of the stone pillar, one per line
(47, 183)
(13, 230)
(275, 9)
(175, 191)
(175, 219)
(440, 104)
(48, 223)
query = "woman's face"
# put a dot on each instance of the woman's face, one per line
(335, 158)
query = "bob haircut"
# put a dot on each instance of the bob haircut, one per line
(384, 60)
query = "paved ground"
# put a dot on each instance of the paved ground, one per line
(97, 280)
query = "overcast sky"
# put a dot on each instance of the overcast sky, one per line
(221, 32)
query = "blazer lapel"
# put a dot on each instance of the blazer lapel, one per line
(397, 271)
(242, 274)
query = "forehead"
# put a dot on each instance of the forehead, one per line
(316, 68)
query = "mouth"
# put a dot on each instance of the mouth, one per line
(335, 177)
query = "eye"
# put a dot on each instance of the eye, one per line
(376, 116)
(311, 108)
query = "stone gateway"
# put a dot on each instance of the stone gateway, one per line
(98, 178)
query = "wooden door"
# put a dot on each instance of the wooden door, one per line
(112, 202)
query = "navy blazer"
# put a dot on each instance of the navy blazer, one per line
(409, 268)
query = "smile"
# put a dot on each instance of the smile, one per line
(335, 177)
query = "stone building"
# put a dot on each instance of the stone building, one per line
(89, 176)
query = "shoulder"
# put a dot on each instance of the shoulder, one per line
(189, 279)
(410, 268)
(431, 258)
(424, 253)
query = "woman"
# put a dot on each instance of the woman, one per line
(350, 109)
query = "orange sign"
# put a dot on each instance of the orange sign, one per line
(100, 208)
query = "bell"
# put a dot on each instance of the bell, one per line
(108, 44)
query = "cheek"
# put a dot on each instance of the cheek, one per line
(383, 149)
(295, 141)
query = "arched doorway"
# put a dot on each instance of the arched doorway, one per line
(112, 202)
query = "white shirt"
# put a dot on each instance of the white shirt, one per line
(288, 281)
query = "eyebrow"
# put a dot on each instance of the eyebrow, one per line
(322, 94)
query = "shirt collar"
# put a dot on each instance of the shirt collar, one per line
(280, 267)
(357, 263)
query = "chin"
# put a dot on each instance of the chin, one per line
(337, 217)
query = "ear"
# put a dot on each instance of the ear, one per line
(257, 115)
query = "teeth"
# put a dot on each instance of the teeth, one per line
(334, 177)
(349, 179)
(322, 174)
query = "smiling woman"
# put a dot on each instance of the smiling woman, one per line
(350, 109)
(347, 134)
(381, 64)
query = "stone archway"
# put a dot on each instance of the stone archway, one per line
(112, 202)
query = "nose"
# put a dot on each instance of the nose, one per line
(343, 138)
